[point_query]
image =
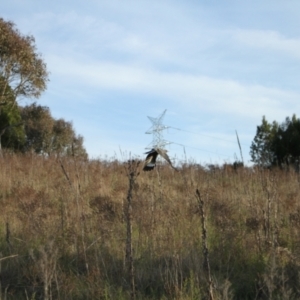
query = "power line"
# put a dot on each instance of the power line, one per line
(200, 149)
(212, 137)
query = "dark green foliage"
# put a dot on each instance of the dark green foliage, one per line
(261, 147)
(46, 135)
(12, 133)
(277, 145)
(286, 143)
(38, 127)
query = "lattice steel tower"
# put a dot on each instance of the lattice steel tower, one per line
(157, 131)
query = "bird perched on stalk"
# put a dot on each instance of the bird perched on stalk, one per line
(150, 161)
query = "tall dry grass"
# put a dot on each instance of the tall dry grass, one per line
(63, 231)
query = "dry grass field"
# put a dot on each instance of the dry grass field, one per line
(64, 231)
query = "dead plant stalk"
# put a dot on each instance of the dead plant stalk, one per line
(206, 265)
(132, 174)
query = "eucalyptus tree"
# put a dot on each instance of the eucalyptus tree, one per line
(38, 124)
(23, 72)
(49, 136)
(65, 142)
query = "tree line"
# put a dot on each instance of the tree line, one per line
(23, 74)
(38, 131)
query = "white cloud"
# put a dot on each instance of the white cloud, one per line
(202, 92)
(268, 40)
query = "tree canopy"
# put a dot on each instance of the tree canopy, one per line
(23, 73)
(49, 136)
(277, 144)
(21, 67)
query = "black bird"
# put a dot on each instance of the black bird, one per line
(150, 161)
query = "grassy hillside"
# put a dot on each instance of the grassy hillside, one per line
(63, 231)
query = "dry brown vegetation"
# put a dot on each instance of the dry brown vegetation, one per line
(63, 232)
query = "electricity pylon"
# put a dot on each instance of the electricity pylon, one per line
(157, 131)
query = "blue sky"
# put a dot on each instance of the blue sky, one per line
(216, 66)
